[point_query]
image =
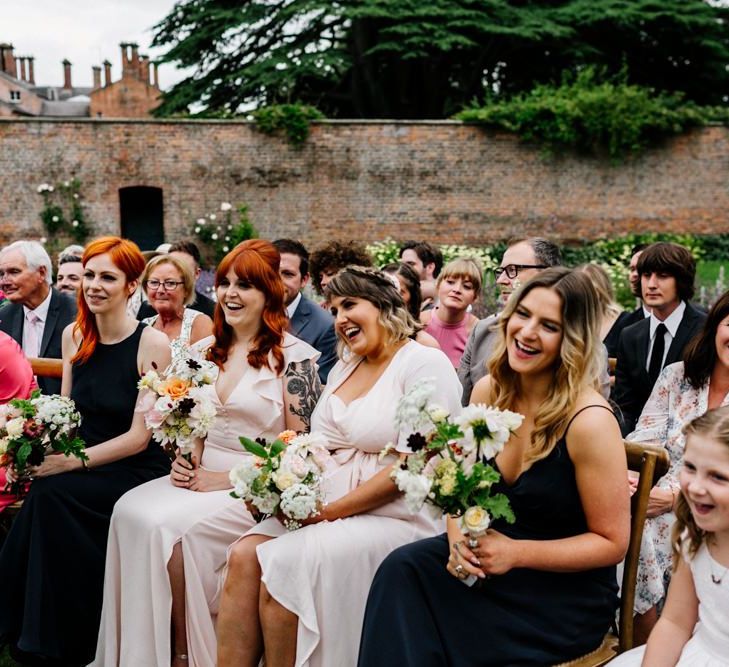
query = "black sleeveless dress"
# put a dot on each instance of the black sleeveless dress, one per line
(420, 615)
(52, 562)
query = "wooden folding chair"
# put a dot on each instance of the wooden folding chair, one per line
(652, 463)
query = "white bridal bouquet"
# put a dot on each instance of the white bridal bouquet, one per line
(177, 408)
(31, 428)
(283, 476)
(448, 467)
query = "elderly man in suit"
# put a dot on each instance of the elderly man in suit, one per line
(667, 273)
(523, 259)
(307, 320)
(35, 313)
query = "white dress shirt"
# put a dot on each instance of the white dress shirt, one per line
(671, 322)
(41, 312)
(291, 308)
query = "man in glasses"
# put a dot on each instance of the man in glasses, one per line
(523, 259)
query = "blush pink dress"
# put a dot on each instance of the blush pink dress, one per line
(322, 572)
(149, 520)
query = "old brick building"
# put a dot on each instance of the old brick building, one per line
(135, 95)
(444, 181)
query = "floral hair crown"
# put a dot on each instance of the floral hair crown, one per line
(371, 274)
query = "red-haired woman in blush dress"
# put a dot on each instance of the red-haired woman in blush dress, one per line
(51, 604)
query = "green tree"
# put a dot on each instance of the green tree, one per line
(429, 58)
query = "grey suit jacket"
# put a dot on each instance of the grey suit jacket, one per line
(479, 346)
(61, 312)
(315, 326)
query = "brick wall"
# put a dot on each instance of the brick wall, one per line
(441, 181)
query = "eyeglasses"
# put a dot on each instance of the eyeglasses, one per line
(512, 270)
(169, 285)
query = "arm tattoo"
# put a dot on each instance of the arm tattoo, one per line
(302, 383)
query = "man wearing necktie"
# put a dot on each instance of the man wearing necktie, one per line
(667, 273)
(35, 313)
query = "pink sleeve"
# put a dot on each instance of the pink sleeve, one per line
(16, 375)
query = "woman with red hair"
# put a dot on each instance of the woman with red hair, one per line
(169, 537)
(53, 558)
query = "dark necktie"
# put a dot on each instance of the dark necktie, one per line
(659, 346)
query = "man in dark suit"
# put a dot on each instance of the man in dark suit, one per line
(187, 252)
(667, 273)
(35, 313)
(307, 320)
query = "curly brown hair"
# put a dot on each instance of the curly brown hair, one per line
(334, 256)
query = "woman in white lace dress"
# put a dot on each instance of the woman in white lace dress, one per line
(170, 287)
(312, 583)
(168, 541)
(683, 391)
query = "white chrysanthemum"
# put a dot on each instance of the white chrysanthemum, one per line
(244, 473)
(486, 429)
(14, 427)
(266, 504)
(299, 502)
(415, 488)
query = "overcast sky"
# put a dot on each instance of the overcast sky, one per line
(86, 32)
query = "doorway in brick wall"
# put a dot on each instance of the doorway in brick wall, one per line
(142, 215)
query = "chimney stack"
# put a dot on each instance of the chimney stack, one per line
(126, 59)
(31, 72)
(20, 67)
(155, 76)
(7, 60)
(134, 65)
(107, 73)
(97, 76)
(67, 74)
(144, 68)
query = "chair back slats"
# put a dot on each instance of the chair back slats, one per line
(652, 463)
(45, 367)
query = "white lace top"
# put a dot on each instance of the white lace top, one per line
(183, 340)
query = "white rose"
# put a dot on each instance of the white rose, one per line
(225, 206)
(212, 216)
(285, 479)
(475, 521)
(214, 237)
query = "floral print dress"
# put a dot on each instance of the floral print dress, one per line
(672, 403)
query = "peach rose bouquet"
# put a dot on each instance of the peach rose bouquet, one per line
(178, 405)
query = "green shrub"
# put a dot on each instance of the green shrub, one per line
(591, 115)
(291, 119)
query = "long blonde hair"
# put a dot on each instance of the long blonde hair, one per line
(713, 424)
(604, 289)
(578, 365)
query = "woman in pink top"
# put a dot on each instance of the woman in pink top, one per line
(16, 381)
(450, 323)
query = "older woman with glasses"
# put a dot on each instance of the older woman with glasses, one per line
(170, 287)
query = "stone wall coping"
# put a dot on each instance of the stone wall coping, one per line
(224, 121)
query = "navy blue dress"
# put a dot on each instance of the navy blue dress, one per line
(53, 559)
(419, 615)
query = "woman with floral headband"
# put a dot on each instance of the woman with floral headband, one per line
(299, 596)
(545, 590)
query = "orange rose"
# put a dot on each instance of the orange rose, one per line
(286, 436)
(175, 388)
